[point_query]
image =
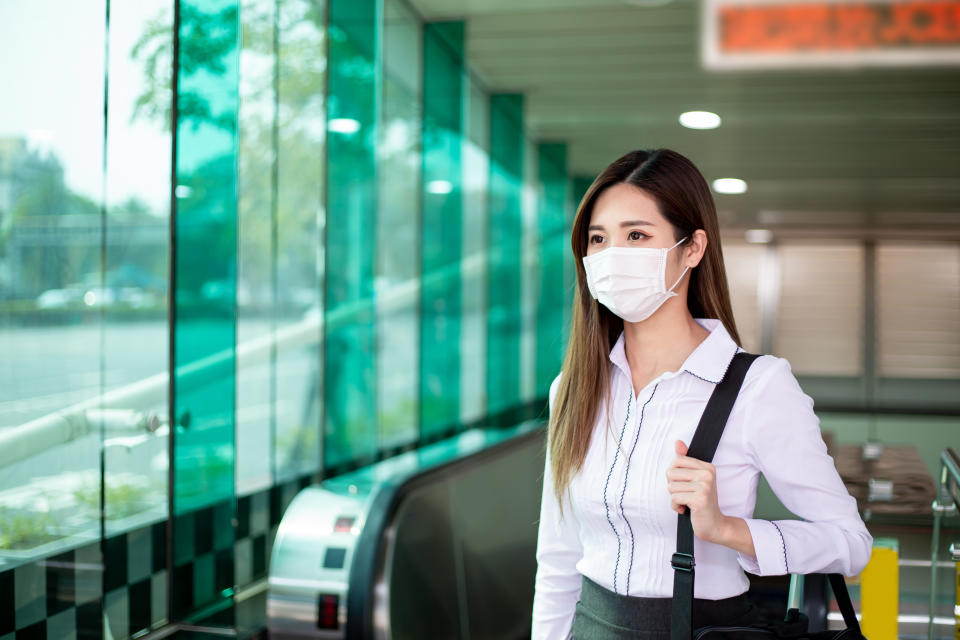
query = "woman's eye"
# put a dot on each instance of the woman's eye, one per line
(595, 239)
(637, 235)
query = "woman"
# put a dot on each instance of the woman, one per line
(652, 335)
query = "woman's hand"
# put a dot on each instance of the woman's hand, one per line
(693, 483)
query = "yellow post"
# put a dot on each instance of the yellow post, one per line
(879, 591)
(956, 609)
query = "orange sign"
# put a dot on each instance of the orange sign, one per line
(804, 33)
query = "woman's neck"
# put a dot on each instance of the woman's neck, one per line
(661, 343)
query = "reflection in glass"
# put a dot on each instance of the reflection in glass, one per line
(256, 285)
(398, 228)
(475, 266)
(136, 335)
(506, 250)
(442, 224)
(206, 293)
(529, 273)
(301, 135)
(206, 285)
(552, 221)
(349, 353)
(52, 294)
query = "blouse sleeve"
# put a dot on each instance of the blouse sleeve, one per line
(558, 581)
(783, 440)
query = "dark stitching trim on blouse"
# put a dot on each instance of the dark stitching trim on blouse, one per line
(605, 504)
(626, 473)
(701, 377)
(783, 545)
(729, 362)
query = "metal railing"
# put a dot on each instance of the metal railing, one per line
(946, 504)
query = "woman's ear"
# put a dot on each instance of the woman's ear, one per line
(695, 248)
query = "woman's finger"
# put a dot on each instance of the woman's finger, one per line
(690, 463)
(680, 448)
(682, 473)
(694, 486)
(694, 500)
(691, 475)
(685, 498)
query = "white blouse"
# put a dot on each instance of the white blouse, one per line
(620, 531)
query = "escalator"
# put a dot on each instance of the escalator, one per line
(438, 542)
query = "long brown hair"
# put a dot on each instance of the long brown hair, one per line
(684, 199)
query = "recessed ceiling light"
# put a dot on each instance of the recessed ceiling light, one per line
(729, 185)
(700, 120)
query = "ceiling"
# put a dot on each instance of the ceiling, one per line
(819, 148)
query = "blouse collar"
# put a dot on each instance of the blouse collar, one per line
(709, 361)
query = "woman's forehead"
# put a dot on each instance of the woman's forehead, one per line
(624, 202)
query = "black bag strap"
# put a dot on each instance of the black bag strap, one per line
(702, 447)
(840, 592)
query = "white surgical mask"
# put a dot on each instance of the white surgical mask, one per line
(630, 280)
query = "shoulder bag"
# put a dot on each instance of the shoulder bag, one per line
(794, 626)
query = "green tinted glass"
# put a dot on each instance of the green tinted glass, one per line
(257, 257)
(442, 221)
(205, 267)
(350, 389)
(474, 269)
(552, 225)
(504, 319)
(298, 272)
(205, 280)
(398, 227)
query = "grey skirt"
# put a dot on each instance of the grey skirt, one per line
(602, 614)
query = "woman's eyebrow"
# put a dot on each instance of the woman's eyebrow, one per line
(625, 223)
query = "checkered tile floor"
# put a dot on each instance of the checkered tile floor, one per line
(119, 588)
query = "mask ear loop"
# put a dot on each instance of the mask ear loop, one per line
(670, 290)
(685, 269)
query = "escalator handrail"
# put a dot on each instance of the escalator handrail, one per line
(369, 552)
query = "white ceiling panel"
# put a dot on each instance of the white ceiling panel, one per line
(870, 146)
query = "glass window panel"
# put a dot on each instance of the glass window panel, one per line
(403, 48)
(744, 265)
(475, 263)
(301, 136)
(552, 223)
(918, 310)
(580, 186)
(398, 228)
(350, 365)
(504, 310)
(256, 285)
(205, 276)
(569, 271)
(530, 265)
(136, 337)
(442, 225)
(51, 277)
(820, 313)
